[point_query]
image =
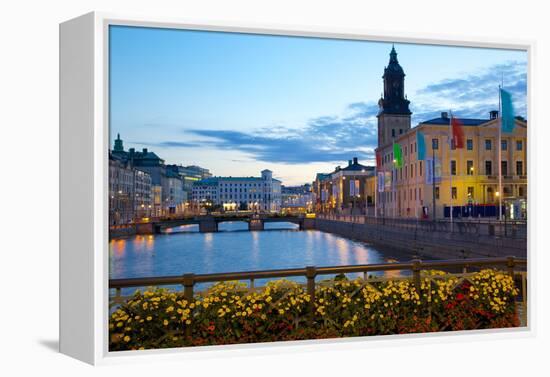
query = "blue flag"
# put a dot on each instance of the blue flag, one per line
(421, 144)
(507, 118)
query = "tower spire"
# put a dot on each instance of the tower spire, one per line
(119, 147)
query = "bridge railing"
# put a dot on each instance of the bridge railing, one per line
(415, 266)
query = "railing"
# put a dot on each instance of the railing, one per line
(415, 266)
(503, 228)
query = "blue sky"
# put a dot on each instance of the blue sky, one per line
(239, 103)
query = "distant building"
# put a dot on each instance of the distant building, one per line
(345, 190)
(296, 198)
(239, 193)
(190, 175)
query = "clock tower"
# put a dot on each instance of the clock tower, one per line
(394, 116)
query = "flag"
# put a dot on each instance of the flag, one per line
(421, 146)
(507, 118)
(378, 161)
(458, 133)
(397, 156)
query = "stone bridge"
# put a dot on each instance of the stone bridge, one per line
(210, 223)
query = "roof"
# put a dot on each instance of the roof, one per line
(465, 121)
(357, 167)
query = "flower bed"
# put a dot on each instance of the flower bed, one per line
(231, 313)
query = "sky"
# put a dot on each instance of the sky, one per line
(240, 103)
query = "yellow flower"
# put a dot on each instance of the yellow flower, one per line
(127, 338)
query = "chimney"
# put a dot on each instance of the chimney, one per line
(349, 162)
(144, 150)
(355, 161)
(493, 114)
(444, 115)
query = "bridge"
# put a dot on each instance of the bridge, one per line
(210, 223)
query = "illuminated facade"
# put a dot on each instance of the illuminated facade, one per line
(345, 190)
(466, 179)
(239, 193)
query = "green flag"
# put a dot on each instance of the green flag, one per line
(397, 156)
(507, 118)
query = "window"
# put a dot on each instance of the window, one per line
(470, 144)
(519, 167)
(488, 144)
(520, 191)
(470, 167)
(437, 192)
(405, 150)
(488, 168)
(519, 145)
(400, 131)
(419, 193)
(504, 145)
(412, 170)
(393, 132)
(470, 192)
(420, 169)
(453, 167)
(504, 167)
(435, 144)
(453, 192)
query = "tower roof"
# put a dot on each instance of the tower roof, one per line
(393, 68)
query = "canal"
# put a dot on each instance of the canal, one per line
(234, 248)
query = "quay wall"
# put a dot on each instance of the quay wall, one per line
(427, 244)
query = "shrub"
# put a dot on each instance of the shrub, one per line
(232, 313)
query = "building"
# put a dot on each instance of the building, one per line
(166, 193)
(466, 178)
(345, 190)
(296, 199)
(130, 195)
(239, 193)
(190, 175)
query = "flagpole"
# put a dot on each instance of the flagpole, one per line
(451, 164)
(500, 193)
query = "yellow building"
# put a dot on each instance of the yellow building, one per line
(473, 181)
(465, 178)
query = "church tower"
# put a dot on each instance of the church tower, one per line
(118, 144)
(394, 116)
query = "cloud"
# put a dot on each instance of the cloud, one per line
(323, 139)
(338, 138)
(474, 94)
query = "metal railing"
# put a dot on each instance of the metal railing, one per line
(500, 228)
(188, 281)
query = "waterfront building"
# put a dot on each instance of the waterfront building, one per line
(239, 193)
(466, 178)
(345, 190)
(165, 180)
(121, 205)
(296, 199)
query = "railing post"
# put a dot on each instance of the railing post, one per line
(311, 271)
(188, 284)
(510, 264)
(416, 274)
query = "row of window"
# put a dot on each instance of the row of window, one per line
(488, 145)
(416, 194)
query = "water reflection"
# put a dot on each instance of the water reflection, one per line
(237, 250)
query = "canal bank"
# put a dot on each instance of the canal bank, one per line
(429, 240)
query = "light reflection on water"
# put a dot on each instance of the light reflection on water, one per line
(185, 250)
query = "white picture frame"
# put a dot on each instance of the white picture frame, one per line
(84, 141)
